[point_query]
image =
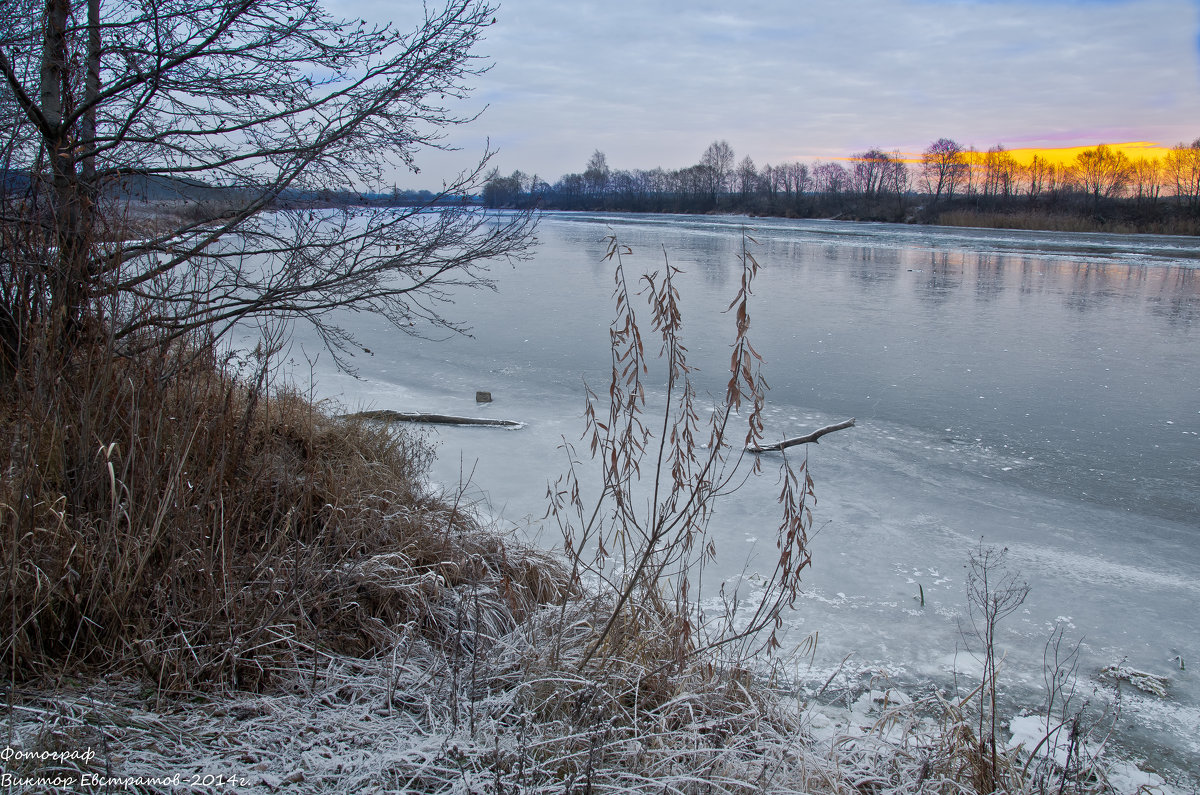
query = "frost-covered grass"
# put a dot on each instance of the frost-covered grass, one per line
(175, 518)
(497, 714)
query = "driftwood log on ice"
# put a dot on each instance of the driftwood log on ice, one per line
(806, 439)
(386, 415)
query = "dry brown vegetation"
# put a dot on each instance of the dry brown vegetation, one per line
(1067, 222)
(170, 514)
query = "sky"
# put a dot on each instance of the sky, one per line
(651, 83)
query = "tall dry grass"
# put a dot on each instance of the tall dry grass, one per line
(173, 514)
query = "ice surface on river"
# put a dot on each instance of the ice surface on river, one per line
(1038, 391)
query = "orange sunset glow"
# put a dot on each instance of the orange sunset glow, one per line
(1067, 155)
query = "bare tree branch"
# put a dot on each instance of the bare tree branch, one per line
(246, 110)
(806, 439)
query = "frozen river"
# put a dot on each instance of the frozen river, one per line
(1038, 391)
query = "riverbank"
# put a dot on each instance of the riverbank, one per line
(944, 343)
(1111, 216)
(418, 720)
(331, 625)
(496, 714)
(1118, 224)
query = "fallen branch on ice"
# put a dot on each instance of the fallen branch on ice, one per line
(386, 415)
(812, 437)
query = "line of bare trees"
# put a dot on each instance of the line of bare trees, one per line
(878, 185)
(718, 182)
(1101, 172)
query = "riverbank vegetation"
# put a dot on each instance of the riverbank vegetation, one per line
(163, 508)
(1101, 189)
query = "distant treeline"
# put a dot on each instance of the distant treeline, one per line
(1103, 189)
(393, 198)
(174, 189)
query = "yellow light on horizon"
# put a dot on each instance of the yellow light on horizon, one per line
(1065, 155)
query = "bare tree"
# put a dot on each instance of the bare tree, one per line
(1182, 167)
(747, 177)
(597, 173)
(695, 183)
(769, 177)
(794, 178)
(999, 172)
(800, 177)
(232, 108)
(717, 161)
(943, 166)
(830, 178)
(1146, 179)
(1103, 171)
(1039, 176)
(867, 173)
(876, 173)
(500, 191)
(974, 161)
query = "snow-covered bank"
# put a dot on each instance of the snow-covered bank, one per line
(419, 720)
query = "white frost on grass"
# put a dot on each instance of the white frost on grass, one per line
(391, 725)
(516, 713)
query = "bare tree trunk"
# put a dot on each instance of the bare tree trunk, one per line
(90, 96)
(67, 278)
